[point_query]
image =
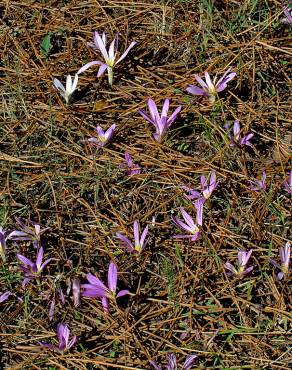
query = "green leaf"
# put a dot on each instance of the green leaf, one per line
(46, 45)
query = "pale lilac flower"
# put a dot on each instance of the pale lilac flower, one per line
(32, 232)
(207, 188)
(288, 184)
(161, 122)
(284, 254)
(131, 167)
(242, 260)
(287, 10)
(103, 136)
(97, 289)
(66, 92)
(63, 334)
(258, 185)
(209, 88)
(110, 56)
(140, 241)
(236, 138)
(31, 269)
(172, 362)
(189, 225)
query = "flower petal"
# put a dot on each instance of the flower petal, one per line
(153, 110)
(101, 69)
(39, 258)
(125, 53)
(58, 85)
(100, 44)
(112, 277)
(25, 260)
(88, 65)
(189, 362)
(95, 281)
(195, 90)
(122, 293)
(173, 116)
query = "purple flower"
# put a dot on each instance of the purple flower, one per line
(66, 92)
(210, 88)
(103, 136)
(189, 225)
(242, 259)
(207, 188)
(288, 184)
(31, 269)
(63, 334)
(172, 363)
(131, 167)
(236, 138)
(287, 10)
(97, 289)
(32, 232)
(285, 261)
(140, 241)
(258, 185)
(110, 56)
(161, 123)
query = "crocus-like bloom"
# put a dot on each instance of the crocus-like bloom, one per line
(287, 10)
(66, 92)
(63, 334)
(258, 185)
(31, 269)
(103, 136)
(285, 261)
(131, 167)
(210, 88)
(110, 56)
(140, 242)
(242, 259)
(288, 184)
(236, 138)
(207, 188)
(32, 232)
(97, 289)
(189, 225)
(172, 363)
(161, 123)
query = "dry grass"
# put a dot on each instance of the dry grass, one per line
(50, 176)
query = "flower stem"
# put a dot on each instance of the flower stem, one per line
(110, 75)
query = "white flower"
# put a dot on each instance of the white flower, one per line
(109, 55)
(70, 87)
